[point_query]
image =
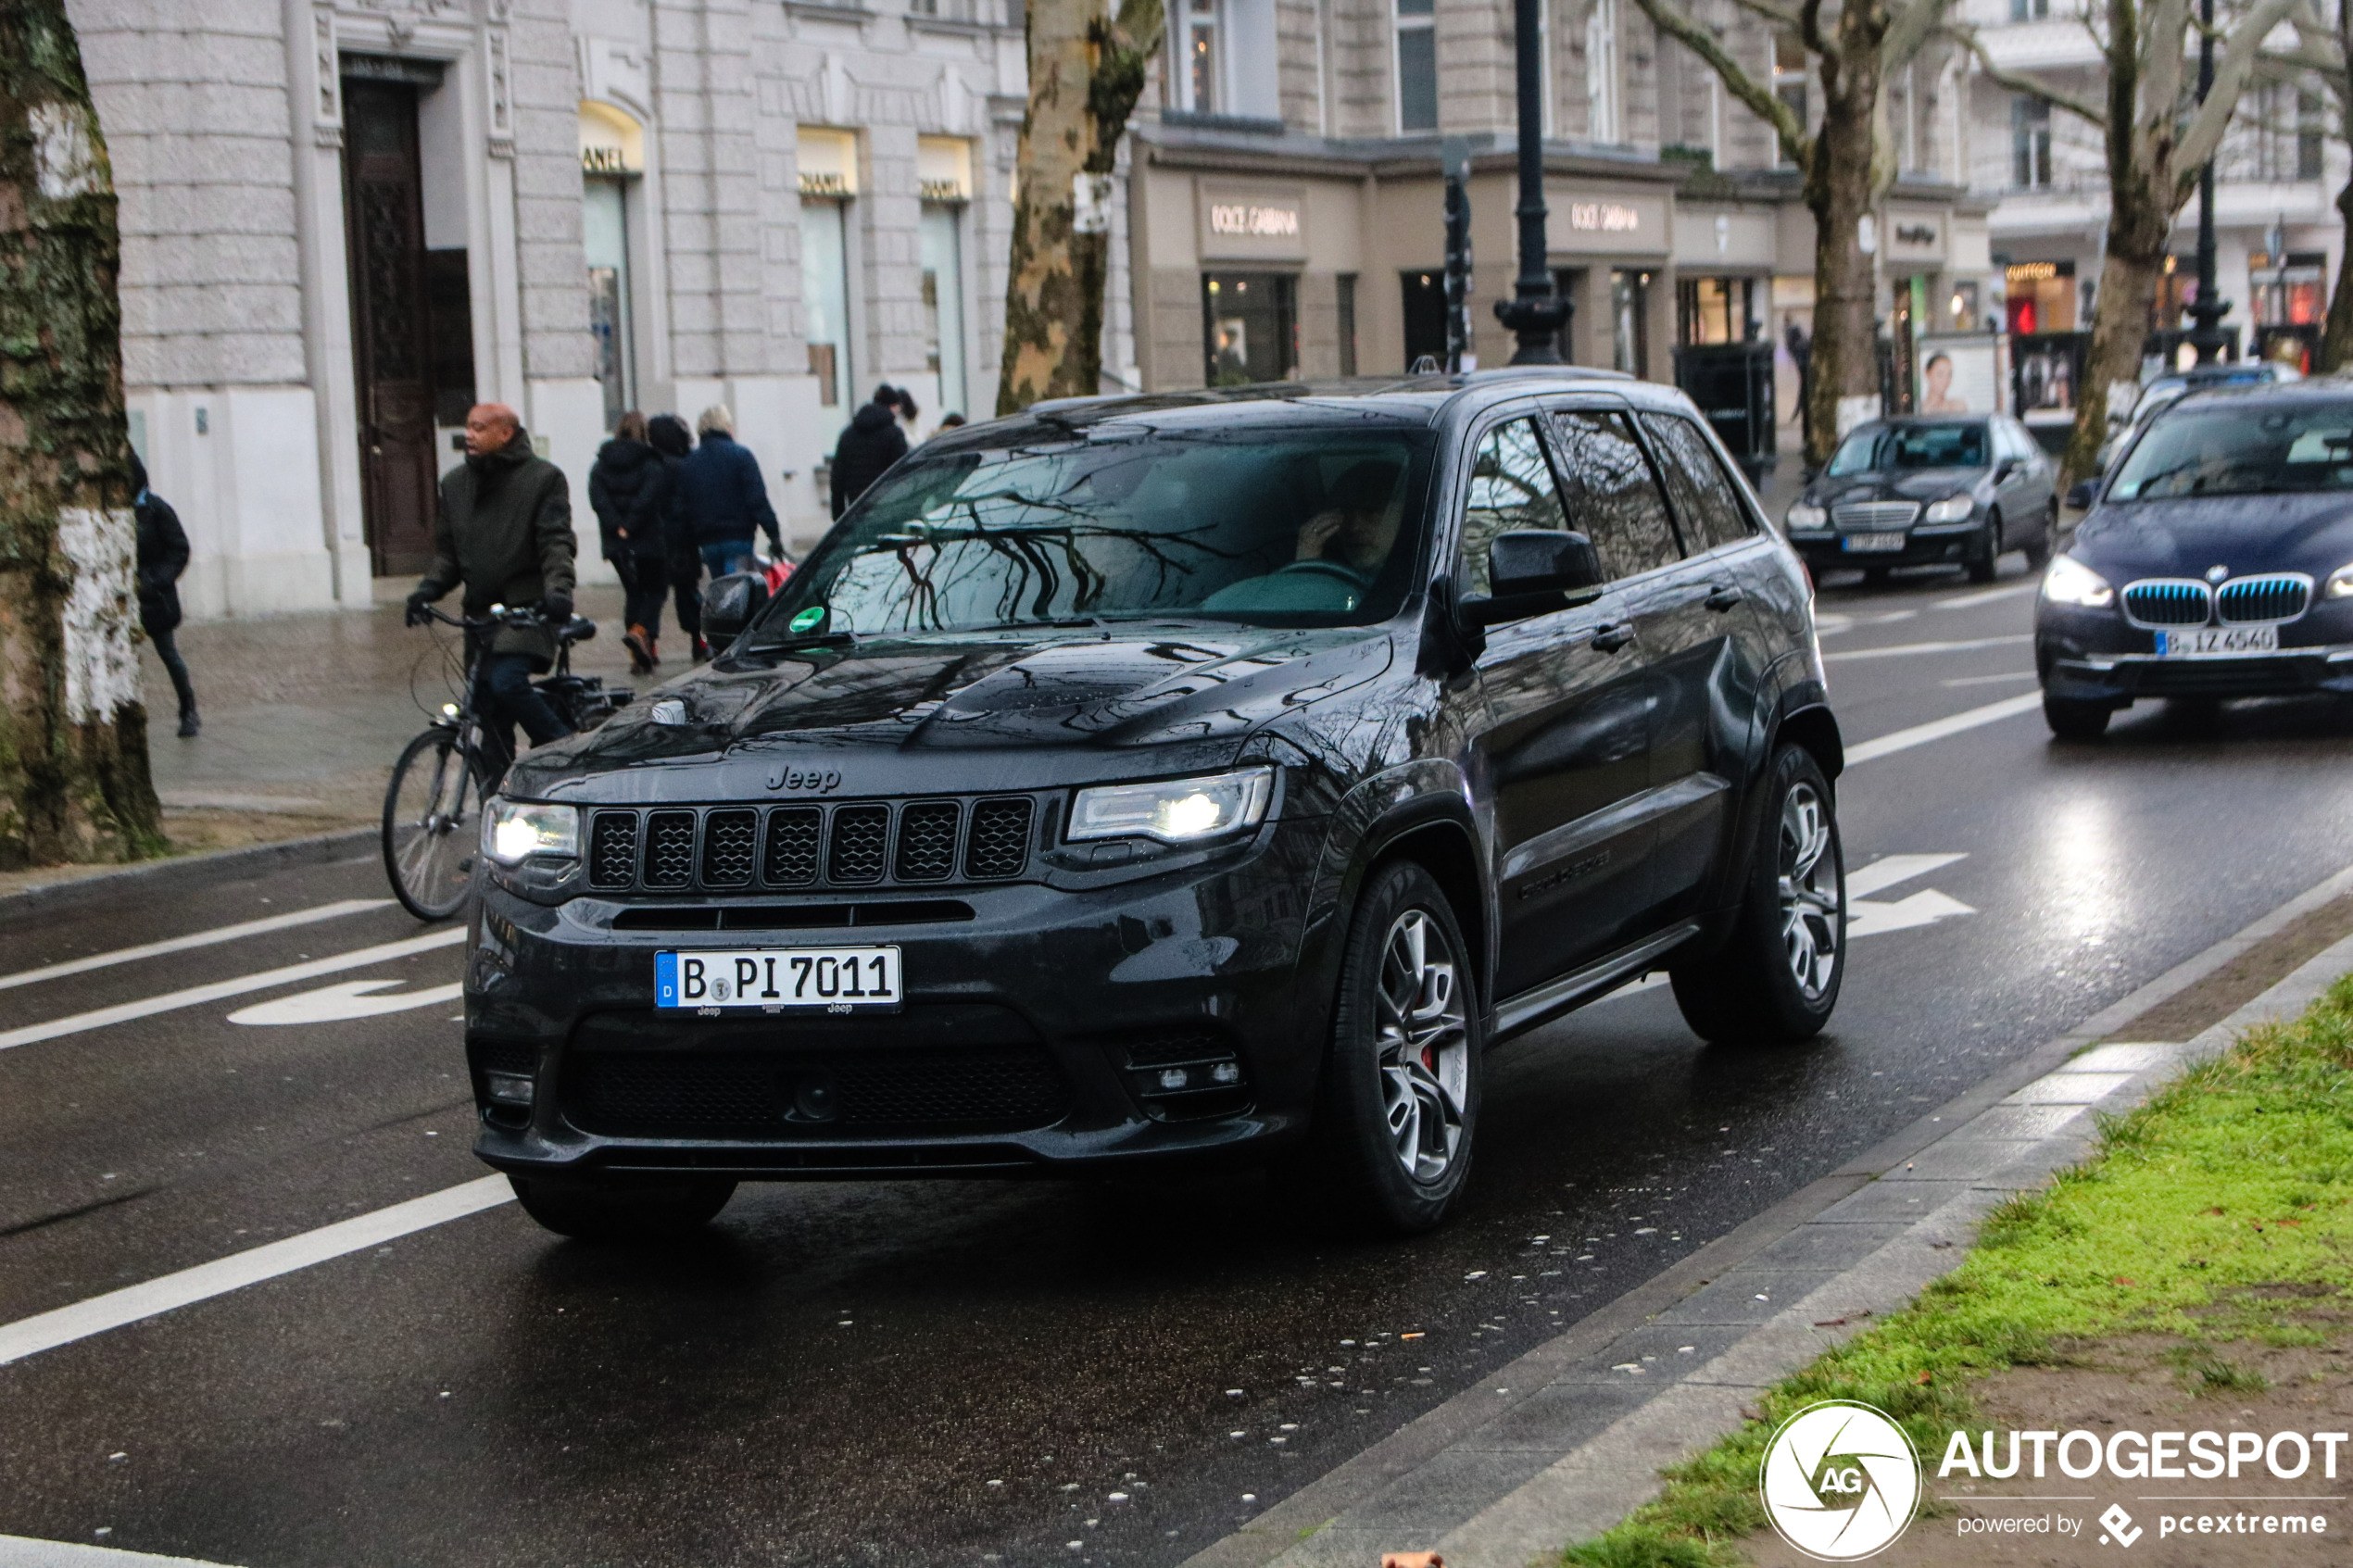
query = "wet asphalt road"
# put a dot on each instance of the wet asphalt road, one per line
(966, 1372)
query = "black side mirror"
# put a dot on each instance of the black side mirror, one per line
(729, 604)
(2002, 470)
(2083, 493)
(1535, 571)
(1538, 560)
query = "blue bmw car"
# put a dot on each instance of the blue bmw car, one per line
(2216, 561)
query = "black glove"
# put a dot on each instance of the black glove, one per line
(420, 613)
(556, 608)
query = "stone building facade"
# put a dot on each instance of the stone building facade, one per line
(344, 222)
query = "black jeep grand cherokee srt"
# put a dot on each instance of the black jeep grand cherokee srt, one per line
(1209, 774)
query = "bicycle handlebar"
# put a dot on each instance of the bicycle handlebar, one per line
(499, 616)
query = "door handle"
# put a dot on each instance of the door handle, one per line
(1724, 595)
(1609, 639)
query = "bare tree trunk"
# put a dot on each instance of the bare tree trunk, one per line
(73, 736)
(1086, 72)
(1838, 192)
(2336, 338)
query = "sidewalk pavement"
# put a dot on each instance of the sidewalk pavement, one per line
(305, 714)
(1567, 1440)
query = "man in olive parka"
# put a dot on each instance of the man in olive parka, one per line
(504, 532)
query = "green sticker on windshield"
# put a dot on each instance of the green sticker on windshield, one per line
(809, 617)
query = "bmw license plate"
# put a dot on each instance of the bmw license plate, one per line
(2217, 642)
(779, 980)
(1870, 544)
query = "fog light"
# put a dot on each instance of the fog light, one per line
(507, 1088)
(1174, 1078)
(1227, 1073)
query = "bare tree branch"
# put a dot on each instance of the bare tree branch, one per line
(1759, 99)
(2231, 73)
(1781, 16)
(2033, 87)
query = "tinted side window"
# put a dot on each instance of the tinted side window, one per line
(1612, 499)
(1706, 502)
(1511, 487)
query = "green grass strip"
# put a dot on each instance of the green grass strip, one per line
(2236, 1175)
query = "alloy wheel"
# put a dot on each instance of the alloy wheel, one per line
(1424, 1045)
(1812, 892)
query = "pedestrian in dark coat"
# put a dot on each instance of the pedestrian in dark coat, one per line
(725, 499)
(163, 555)
(504, 532)
(673, 441)
(867, 448)
(629, 488)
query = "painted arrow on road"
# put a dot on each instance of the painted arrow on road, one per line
(1868, 917)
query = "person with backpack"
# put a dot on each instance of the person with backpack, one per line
(724, 498)
(671, 441)
(163, 555)
(629, 489)
(872, 441)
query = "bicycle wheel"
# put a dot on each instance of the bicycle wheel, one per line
(433, 820)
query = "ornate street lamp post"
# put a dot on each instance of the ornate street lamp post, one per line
(1534, 312)
(2206, 311)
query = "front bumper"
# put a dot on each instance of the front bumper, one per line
(1039, 1032)
(2095, 656)
(1923, 545)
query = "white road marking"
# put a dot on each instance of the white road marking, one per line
(197, 996)
(1988, 680)
(1902, 650)
(198, 939)
(1920, 734)
(1889, 869)
(1987, 595)
(46, 1331)
(24, 1552)
(344, 998)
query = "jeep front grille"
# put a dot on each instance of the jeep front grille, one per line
(781, 848)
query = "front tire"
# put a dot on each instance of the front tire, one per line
(1775, 981)
(1985, 558)
(2071, 719)
(1400, 1104)
(432, 825)
(635, 1212)
(2038, 554)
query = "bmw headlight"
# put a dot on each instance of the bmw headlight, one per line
(1806, 518)
(513, 830)
(2070, 581)
(2340, 584)
(1177, 810)
(1953, 508)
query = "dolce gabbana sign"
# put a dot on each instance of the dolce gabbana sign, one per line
(1617, 223)
(1252, 222)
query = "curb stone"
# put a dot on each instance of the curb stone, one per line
(182, 872)
(1495, 1480)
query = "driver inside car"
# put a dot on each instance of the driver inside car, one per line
(1341, 549)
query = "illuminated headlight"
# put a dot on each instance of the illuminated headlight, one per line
(2340, 583)
(2070, 581)
(1177, 812)
(513, 830)
(1953, 508)
(1805, 519)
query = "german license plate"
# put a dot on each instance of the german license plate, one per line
(2217, 642)
(778, 980)
(1870, 544)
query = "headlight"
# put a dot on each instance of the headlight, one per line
(1805, 519)
(2070, 581)
(2340, 583)
(1953, 508)
(1177, 812)
(513, 830)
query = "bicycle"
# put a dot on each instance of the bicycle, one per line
(432, 807)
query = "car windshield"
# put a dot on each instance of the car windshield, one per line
(2241, 448)
(1297, 526)
(1878, 447)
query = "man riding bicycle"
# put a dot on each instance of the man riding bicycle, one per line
(504, 532)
